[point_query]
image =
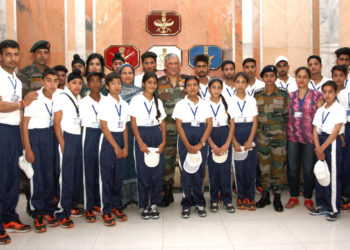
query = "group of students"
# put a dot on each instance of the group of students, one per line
(69, 140)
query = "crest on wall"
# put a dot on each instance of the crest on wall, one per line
(163, 23)
(213, 51)
(130, 53)
(162, 51)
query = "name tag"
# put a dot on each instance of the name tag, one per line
(319, 131)
(195, 123)
(51, 122)
(216, 123)
(14, 98)
(298, 114)
(149, 122)
(120, 124)
(95, 124)
(77, 121)
(241, 119)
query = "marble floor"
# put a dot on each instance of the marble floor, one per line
(261, 229)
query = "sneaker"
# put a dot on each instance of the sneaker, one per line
(240, 204)
(90, 216)
(250, 205)
(186, 213)
(67, 223)
(39, 224)
(51, 220)
(229, 208)
(97, 209)
(4, 238)
(76, 212)
(293, 202)
(201, 211)
(145, 214)
(154, 212)
(345, 206)
(16, 227)
(308, 203)
(108, 220)
(214, 207)
(319, 211)
(332, 216)
(119, 214)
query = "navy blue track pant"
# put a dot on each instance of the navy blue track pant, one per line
(91, 139)
(111, 174)
(149, 179)
(192, 182)
(41, 184)
(220, 174)
(10, 151)
(346, 163)
(330, 196)
(70, 175)
(245, 171)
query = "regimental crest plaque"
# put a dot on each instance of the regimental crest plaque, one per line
(129, 52)
(162, 51)
(163, 23)
(213, 51)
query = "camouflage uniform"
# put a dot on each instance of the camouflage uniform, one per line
(30, 77)
(170, 96)
(273, 114)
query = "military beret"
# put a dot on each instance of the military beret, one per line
(268, 68)
(42, 44)
(118, 56)
(342, 51)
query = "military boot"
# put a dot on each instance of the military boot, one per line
(264, 200)
(277, 204)
(165, 202)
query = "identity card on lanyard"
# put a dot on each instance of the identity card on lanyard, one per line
(96, 123)
(194, 122)
(119, 111)
(242, 117)
(14, 97)
(216, 123)
(252, 92)
(204, 94)
(149, 120)
(50, 113)
(299, 114)
(324, 118)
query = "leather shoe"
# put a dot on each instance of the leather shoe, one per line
(264, 200)
(277, 204)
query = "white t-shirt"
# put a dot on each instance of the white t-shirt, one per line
(290, 85)
(344, 99)
(185, 110)
(145, 111)
(318, 87)
(88, 110)
(11, 86)
(69, 118)
(40, 112)
(243, 110)
(250, 90)
(204, 91)
(114, 113)
(138, 80)
(219, 113)
(228, 93)
(326, 119)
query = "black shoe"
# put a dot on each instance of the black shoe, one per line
(154, 213)
(332, 216)
(186, 213)
(214, 207)
(165, 193)
(277, 204)
(201, 211)
(264, 200)
(145, 214)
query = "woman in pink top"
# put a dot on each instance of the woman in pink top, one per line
(300, 144)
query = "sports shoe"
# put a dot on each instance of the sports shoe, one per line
(345, 207)
(108, 220)
(214, 207)
(4, 238)
(229, 208)
(201, 211)
(67, 223)
(186, 213)
(119, 214)
(319, 211)
(39, 224)
(145, 214)
(97, 209)
(76, 212)
(292, 202)
(16, 227)
(90, 216)
(250, 205)
(308, 203)
(332, 216)
(154, 212)
(240, 204)
(51, 220)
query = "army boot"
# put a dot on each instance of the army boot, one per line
(277, 204)
(264, 200)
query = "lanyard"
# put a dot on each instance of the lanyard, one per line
(282, 86)
(251, 93)
(241, 109)
(75, 106)
(324, 118)
(93, 107)
(204, 93)
(14, 85)
(314, 86)
(119, 111)
(302, 101)
(148, 110)
(346, 82)
(193, 112)
(50, 112)
(349, 100)
(228, 91)
(212, 109)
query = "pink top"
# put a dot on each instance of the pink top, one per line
(299, 129)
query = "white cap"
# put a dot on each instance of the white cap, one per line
(192, 162)
(322, 174)
(25, 166)
(219, 158)
(242, 155)
(152, 158)
(280, 59)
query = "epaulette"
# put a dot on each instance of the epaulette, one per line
(259, 90)
(283, 89)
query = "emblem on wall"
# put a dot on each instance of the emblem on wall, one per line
(163, 23)
(162, 51)
(214, 53)
(128, 52)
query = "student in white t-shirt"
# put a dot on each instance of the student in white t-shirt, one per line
(284, 80)
(149, 64)
(328, 123)
(249, 67)
(228, 89)
(314, 64)
(201, 70)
